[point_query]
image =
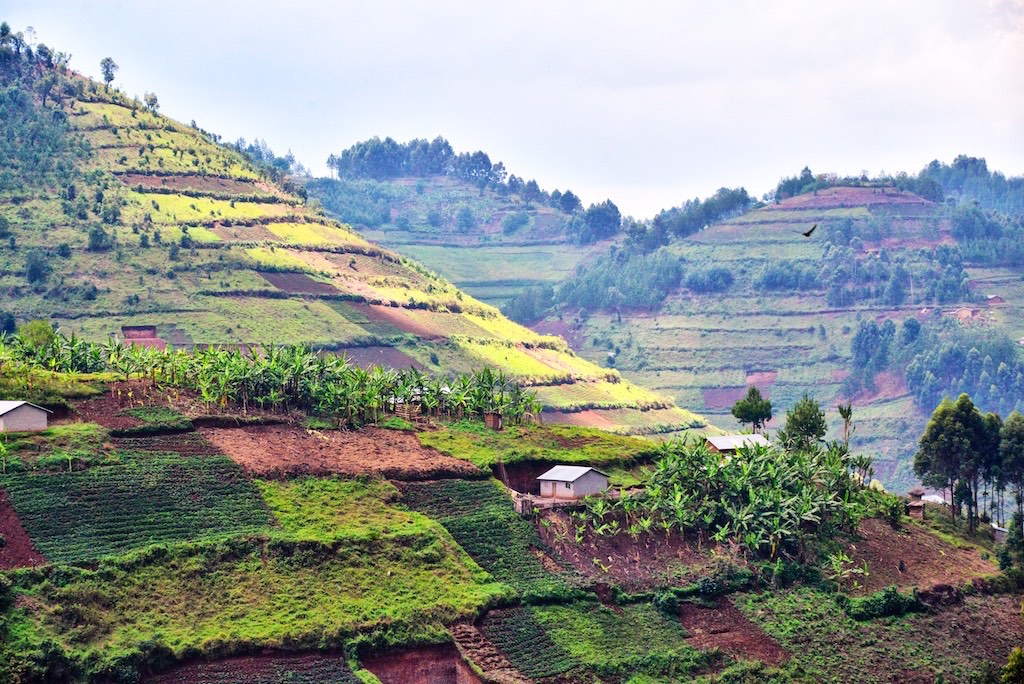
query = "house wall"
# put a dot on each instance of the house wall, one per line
(591, 483)
(23, 419)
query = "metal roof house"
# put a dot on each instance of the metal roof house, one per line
(572, 482)
(728, 444)
(21, 416)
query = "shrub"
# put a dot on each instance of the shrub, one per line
(37, 267)
(885, 603)
(709, 279)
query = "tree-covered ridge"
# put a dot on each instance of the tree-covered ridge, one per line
(382, 160)
(968, 179)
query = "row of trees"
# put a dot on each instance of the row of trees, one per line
(275, 378)
(969, 179)
(972, 455)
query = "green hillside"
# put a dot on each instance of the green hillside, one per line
(759, 304)
(118, 216)
(491, 233)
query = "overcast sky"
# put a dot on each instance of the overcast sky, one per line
(646, 103)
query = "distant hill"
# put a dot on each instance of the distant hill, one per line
(490, 232)
(113, 216)
(757, 303)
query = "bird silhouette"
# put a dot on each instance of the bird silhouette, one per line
(813, 228)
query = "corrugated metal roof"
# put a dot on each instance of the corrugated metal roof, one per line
(564, 473)
(733, 442)
(8, 406)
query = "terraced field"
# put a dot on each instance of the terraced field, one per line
(165, 227)
(705, 350)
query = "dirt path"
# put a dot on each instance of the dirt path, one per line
(18, 550)
(926, 559)
(282, 450)
(726, 628)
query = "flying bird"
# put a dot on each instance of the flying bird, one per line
(808, 233)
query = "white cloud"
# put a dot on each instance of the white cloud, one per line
(648, 103)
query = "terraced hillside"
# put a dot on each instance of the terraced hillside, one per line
(150, 224)
(491, 245)
(706, 349)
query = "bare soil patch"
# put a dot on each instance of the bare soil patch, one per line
(927, 560)
(762, 378)
(299, 283)
(481, 652)
(888, 385)
(287, 450)
(256, 233)
(831, 198)
(211, 184)
(982, 627)
(724, 397)
(388, 357)
(652, 560)
(725, 627)
(269, 669)
(588, 418)
(429, 664)
(18, 551)
(397, 317)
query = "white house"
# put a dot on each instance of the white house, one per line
(728, 444)
(21, 416)
(572, 482)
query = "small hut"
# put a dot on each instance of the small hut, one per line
(21, 416)
(572, 482)
(916, 505)
(727, 445)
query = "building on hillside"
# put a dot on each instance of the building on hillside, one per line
(142, 335)
(21, 416)
(1021, 341)
(572, 482)
(993, 299)
(729, 444)
(916, 505)
(964, 314)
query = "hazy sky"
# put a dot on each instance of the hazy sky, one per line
(648, 103)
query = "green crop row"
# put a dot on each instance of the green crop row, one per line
(523, 640)
(280, 670)
(480, 517)
(149, 498)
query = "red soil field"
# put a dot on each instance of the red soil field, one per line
(18, 551)
(830, 198)
(398, 318)
(299, 283)
(257, 233)
(888, 385)
(197, 183)
(284, 450)
(389, 357)
(927, 560)
(433, 664)
(317, 667)
(724, 397)
(588, 418)
(762, 379)
(725, 627)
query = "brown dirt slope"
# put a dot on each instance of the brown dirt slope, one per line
(427, 664)
(724, 627)
(927, 559)
(279, 450)
(18, 550)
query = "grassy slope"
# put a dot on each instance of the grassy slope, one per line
(485, 260)
(258, 264)
(703, 350)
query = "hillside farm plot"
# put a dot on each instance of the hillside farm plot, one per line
(263, 593)
(957, 642)
(520, 636)
(722, 626)
(927, 559)
(471, 441)
(149, 499)
(480, 517)
(623, 640)
(580, 396)
(299, 283)
(386, 357)
(277, 450)
(313, 668)
(212, 185)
